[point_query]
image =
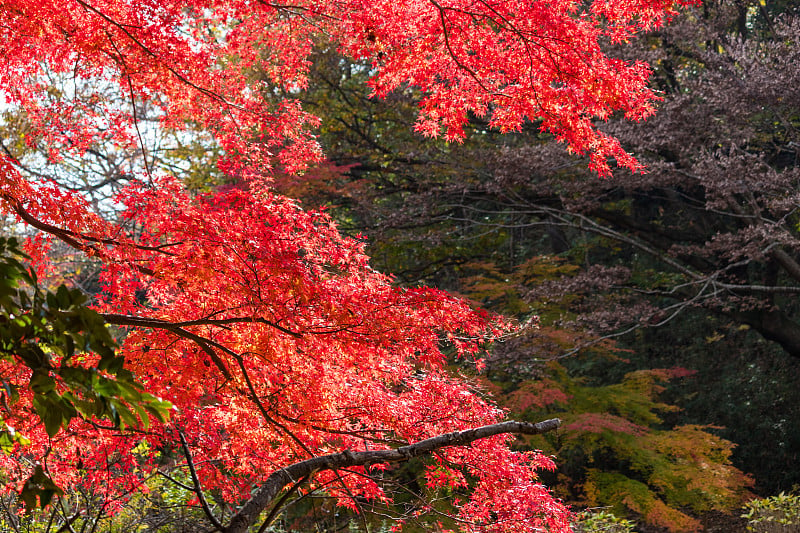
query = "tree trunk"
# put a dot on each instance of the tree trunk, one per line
(775, 326)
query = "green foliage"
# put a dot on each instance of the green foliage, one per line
(502, 289)
(601, 521)
(743, 384)
(70, 352)
(776, 514)
(163, 507)
(160, 507)
(71, 366)
(615, 451)
(39, 486)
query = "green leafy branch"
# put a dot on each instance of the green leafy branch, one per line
(72, 357)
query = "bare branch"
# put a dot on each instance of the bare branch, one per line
(787, 262)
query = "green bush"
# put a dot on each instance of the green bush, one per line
(776, 514)
(601, 522)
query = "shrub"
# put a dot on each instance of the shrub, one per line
(776, 514)
(601, 522)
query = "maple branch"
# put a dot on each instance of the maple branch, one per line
(561, 218)
(298, 9)
(698, 277)
(74, 239)
(474, 75)
(165, 324)
(208, 345)
(196, 481)
(15, 161)
(70, 237)
(127, 75)
(175, 481)
(211, 94)
(204, 343)
(279, 479)
(67, 236)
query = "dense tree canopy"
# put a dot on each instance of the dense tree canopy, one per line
(689, 264)
(286, 357)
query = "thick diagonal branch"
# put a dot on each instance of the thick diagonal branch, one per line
(276, 482)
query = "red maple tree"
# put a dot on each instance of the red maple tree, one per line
(286, 357)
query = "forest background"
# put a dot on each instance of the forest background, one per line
(660, 309)
(625, 274)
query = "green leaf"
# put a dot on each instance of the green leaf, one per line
(63, 297)
(128, 418)
(49, 412)
(41, 382)
(141, 412)
(39, 485)
(106, 387)
(51, 300)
